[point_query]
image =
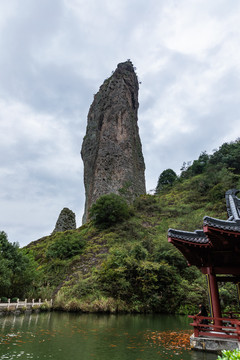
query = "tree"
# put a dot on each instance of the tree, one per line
(166, 179)
(227, 156)
(197, 167)
(108, 210)
(17, 270)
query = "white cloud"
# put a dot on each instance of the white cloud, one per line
(55, 55)
(40, 170)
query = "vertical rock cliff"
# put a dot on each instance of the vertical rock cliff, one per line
(112, 150)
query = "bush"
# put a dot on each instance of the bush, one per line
(14, 300)
(108, 210)
(45, 306)
(66, 245)
(229, 355)
(216, 193)
(138, 252)
(73, 305)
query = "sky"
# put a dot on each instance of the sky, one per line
(54, 57)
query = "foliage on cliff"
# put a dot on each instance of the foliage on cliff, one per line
(130, 266)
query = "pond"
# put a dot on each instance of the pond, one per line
(61, 336)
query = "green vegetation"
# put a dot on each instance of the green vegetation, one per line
(166, 180)
(109, 210)
(121, 260)
(17, 270)
(229, 355)
(65, 245)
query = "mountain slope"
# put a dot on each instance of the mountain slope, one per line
(131, 266)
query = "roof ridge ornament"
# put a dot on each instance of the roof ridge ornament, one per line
(233, 204)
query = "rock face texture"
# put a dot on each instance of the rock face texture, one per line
(66, 221)
(112, 150)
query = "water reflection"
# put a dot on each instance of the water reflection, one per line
(102, 337)
(200, 355)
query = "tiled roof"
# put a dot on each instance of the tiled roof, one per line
(222, 224)
(232, 224)
(213, 247)
(197, 236)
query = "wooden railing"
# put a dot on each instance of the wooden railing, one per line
(229, 328)
(25, 304)
(232, 315)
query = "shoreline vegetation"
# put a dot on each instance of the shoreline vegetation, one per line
(126, 264)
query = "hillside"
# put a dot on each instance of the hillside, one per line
(130, 266)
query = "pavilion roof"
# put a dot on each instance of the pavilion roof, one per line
(218, 244)
(196, 237)
(227, 225)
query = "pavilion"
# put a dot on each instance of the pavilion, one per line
(215, 250)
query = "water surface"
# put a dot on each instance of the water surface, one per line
(61, 336)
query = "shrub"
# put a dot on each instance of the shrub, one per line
(59, 302)
(66, 245)
(138, 252)
(4, 299)
(108, 210)
(45, 306)
(217, 192)
(73, 305)
(229, 355)
(14, 300)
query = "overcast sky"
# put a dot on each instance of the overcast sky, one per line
(55, 54)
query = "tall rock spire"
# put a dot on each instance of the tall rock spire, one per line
(112, 150)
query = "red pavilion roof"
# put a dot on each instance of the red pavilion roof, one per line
(217, 245)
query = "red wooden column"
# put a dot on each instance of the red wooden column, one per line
(214, 295)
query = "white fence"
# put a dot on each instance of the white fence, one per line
(24, 304)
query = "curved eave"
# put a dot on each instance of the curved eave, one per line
(208, 230)
(174, 240)
(225, 226)
(196, 238)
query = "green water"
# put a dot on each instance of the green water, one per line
(63, 336)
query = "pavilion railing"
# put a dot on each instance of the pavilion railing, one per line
(231, 315)
(228, 329)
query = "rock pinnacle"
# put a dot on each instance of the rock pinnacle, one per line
(112, 150)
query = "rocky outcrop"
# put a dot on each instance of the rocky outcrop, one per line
(66, 221)
(111, 149)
